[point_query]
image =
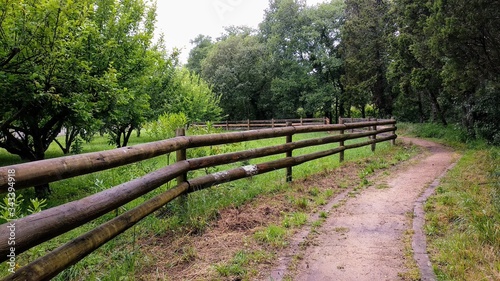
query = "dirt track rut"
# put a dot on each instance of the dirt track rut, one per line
(363, 239)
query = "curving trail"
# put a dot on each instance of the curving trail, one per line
(363, 239)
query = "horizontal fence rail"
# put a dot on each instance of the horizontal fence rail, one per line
(43, 226)
(259, 124)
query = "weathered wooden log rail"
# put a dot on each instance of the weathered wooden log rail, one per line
(43, 226)
(259, 124)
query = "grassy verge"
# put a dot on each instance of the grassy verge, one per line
(121, 258)
(462, 218)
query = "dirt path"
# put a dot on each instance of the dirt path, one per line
(363, 239)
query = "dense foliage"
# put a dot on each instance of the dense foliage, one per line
(79, 67)
(420, 61)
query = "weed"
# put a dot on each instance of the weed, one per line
(294, 220)
(314, 191)
(301, 203)
(188, 254)
(317, 223)
(320, 201)
(364, 182)
(273, 235)
(15, 208)
(240, 265)
(77, 146)
(328, 193)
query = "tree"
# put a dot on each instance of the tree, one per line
(364, 50)
(77, 64)
(46, 77)
(324, 59)
(281, 31)
(193, 97)
(234, 68)
(202, 46)
(465, 36)
(177, 90)
(126, 30)
(413, 70)
(305, 64)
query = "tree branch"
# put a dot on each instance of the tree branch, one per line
(11, 119)
(12, 54)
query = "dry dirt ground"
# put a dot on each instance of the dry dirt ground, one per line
(362, 238)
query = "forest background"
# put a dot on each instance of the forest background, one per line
(93, 66)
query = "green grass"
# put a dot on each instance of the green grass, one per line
(462, 221)
(273, 235)
(295, 220)
(240, 267)
(121, 258)
(452, 135)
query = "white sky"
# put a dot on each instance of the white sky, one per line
(182, 20)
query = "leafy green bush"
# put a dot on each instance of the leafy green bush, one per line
(166, 125)
(16, 208)
(209, 150)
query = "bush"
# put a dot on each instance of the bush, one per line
(166, 125)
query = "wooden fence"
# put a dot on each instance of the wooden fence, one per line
(43, 226)
(259, 124)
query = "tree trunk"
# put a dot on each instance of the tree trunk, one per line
(118, 138)
(42, 191)
(340, 101)
(468, 119)
(437, 109)
(126, 136)
(421, 108)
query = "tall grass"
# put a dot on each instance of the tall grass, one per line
(462, 221)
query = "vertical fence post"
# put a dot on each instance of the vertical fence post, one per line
(341, 143)
(370, 128)
(272, 123)
(289, 139)
(181, 155)
(248, 124)
(393, 142)
(227, 125)
(301, 121)
(374, 137)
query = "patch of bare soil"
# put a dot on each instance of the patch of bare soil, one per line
(363, 239)
(193, 257)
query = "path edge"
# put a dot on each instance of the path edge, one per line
(419, 240)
